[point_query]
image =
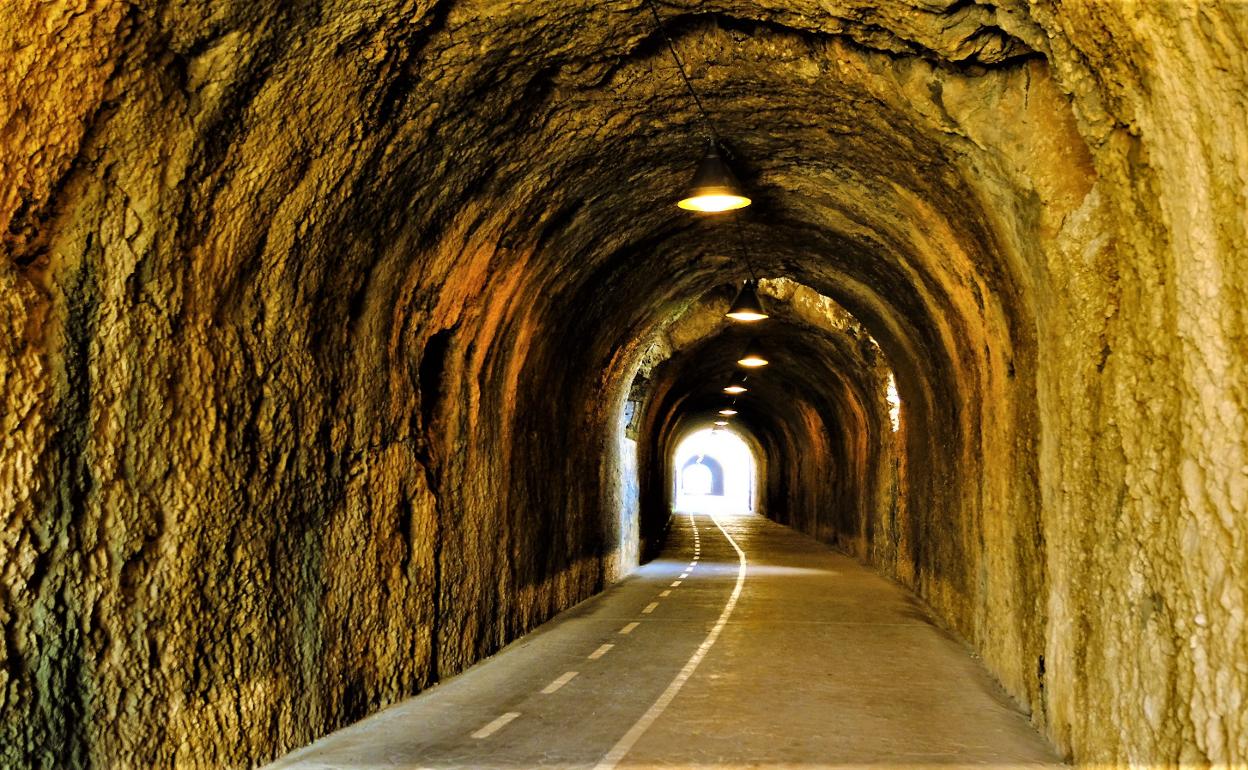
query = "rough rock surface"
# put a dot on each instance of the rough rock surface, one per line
(320, 327)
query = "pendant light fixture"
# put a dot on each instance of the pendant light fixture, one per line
(753, 357)
(714, 187)
(727, 411)
(721, 423)
(736, 388)
(747, 306)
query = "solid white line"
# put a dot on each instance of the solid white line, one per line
(560, 682)
(665, 594)
(629, 628)
(496, 725)
(649, 608)
(622, 747)
(598, 653)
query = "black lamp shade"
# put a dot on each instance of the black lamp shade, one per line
(714, 187)
(747, 306)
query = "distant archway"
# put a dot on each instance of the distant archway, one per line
(714, 471)
(702, 475)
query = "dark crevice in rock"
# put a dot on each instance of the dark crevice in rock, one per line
(432, 372)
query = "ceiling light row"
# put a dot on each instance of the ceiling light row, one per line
(715, 189)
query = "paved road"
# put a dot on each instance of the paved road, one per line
(746, 645)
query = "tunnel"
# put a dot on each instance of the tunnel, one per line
(344, 345)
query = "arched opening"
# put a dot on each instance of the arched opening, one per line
(702, 476)
(714, 471)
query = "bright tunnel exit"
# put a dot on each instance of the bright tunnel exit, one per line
(714, 472)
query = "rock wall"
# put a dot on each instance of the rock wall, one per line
(319, 325)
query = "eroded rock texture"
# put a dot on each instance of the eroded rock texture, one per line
(321, 327)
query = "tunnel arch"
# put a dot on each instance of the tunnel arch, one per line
(333, 317)
(729, 452)
(713, 484)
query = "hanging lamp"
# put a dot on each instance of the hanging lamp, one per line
(736, 388)
(714, 187)
(721, 423)
(727, 411)
(747, 306)
(753, 357)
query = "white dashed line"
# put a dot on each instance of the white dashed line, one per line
(665, 594)
(649, 608)
(684, 575)
(622, 747)
(560, 682)
(693, 564)
(496, 725)
(675, 583)
(629, 628)
(598, 653)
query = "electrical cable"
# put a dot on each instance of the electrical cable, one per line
(671, 46)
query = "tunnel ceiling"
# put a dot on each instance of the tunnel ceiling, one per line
(559, 131)
(820, 360)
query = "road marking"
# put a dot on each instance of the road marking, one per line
(622, 747)
(629, 628)
(598, 653)
(665, 594)
(560, 682)
(684, 575)
(496, 725)
(675, 583)
(693, 564)
(649, 608)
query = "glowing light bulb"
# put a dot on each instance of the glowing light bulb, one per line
(714, 187)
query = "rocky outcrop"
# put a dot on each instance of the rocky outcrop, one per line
(322, 330)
